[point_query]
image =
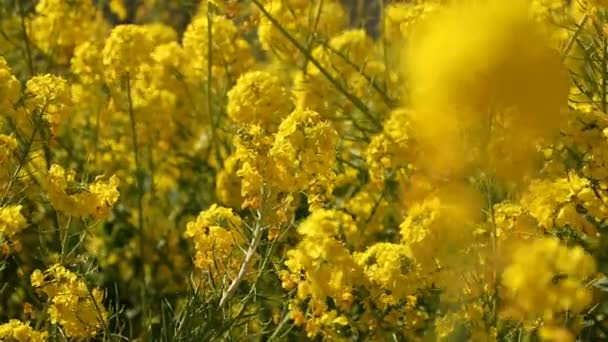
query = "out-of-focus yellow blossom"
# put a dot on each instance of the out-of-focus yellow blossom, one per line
(8, 147)
(586, 136)
(547, 278)
(438, 212)
(344, 53)
(487, 69)
(81, 200)
(87, 62)
(511, 224)
(303, 149)
(73, 304)
(158, 93)
(549, 9)
(127, 47)
(21, 332)
(558, 14)
(303, 20)
(11, 221)
(471, 71)
(10, 88)
(555, 334)
(159, 33)
(259, 98)
(118, 7)
(59, 26)
(470, 316)
(217, 235)
(445, 219)
(49, 95)
(230, 54)
(228, 184)
(599, 3)
(370, 208)
(400, 18)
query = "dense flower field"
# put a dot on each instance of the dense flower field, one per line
(290, 170)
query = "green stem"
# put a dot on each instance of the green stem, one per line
(214, 142)
(572, 39)
(140, 195)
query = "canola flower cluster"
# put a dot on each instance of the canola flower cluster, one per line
(274, 170)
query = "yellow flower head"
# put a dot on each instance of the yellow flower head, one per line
(20, 331)
(216, 234)
(10, 88)
(50, 95)
(304, 148)
(230, 54)
(78, 309)
(11, 221)
(259, 98)
(127, 47)
(471, 71)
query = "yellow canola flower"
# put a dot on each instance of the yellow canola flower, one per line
(391, 268)
(50, 95)
(125, 50)
(10, 88)
(259, 98)
(87, 62)
(217, 235)
(230, 54)
(80, 200)
(58, 26)
(304, 148)
(322, 258)
(72, 304)
(21, 332)
(11, 221)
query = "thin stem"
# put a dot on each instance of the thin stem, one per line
(22, 160)
(604, 70)
(574, 37)
(494, 243)
(214, 139)
(140, 195)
